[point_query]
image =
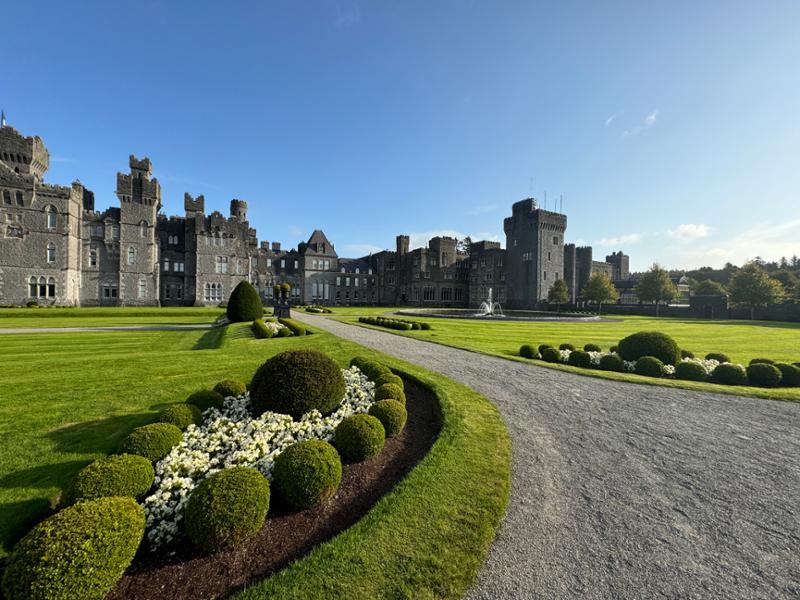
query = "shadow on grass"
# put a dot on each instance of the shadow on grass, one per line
(44, 476)
(211, 339)
(26, 514)
(100, 435)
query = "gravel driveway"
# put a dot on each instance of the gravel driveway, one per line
(629, 491)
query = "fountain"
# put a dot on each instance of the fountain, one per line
(489, 308)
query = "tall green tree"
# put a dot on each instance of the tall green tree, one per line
(753, 287)
(708, 288)
(789, 280)
(599, 289)
(558, 294)
(656, 286)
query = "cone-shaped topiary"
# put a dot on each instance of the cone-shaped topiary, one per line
(230, 387)
(181, 415)
(152, 441)
(79, 552)
(295, 382)
(205, 399)
(359, 437)
(763, 374)
(390, 391)
(244, 303)
(729, 374)
(391, 414)
(388, 378)
(116, 475)
(612, 362)
(307, 473)
(690, 371)
(649, 366)
(650, 343)
(227, 508)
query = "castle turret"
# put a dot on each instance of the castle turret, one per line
(192, 205)
(402, 244)
(239, 210)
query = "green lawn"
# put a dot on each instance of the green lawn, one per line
(71, 397)
(741, 340)
(105, 317)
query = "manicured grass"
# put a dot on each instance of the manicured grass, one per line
(105, 317)
(741, 340)
(69, 398)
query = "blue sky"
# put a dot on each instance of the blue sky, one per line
(672, 129)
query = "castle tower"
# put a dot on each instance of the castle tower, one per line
(403, 242)
(535, 249)
(239, 210)
(620, 265)
(25, 155)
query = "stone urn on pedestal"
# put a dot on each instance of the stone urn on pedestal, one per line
(282, 309)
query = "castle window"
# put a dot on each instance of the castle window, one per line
(21, 200)
(142, 287)
(166, 264)
(93, 257)
(555, 239)
(109, 290)
(295, 265)
(283, 263)
(6, 197)
(269, 263)
(339, 281)
(358, 270)
(32, 287)
(428, 293)
(51, 287)
(315, 263)
(42, 287)
(178, 267)
(51, 253)
(115, 232)
(179, 291)
(222, 264)
(143, 229)
(544, 275)
(52, 217)
(549, 257)
(131, 255)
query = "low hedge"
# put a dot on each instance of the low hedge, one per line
(649, 343)
(307, 473)
(649, 366)
(690, 371)
(78, 553)
(384, 378)
(373, 369)
(205, 399)
(296, 327)
(152, 441)
(260, 330)
(227, 508)
(763, 374)
(398, 324)
(729, 374)
(359, 437)
(390, 391)
(551, 355)
(125, 475)
(580, 358)
(230, 387)
(592, 348)
(528, 351)
(391, 414)
(612, 362)
(181, 415)
(790, 375)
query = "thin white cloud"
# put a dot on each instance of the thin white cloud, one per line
(621, 240)
(612, 118)
(646, 124)
(719, 252)
(482, 209)
(361, 249)
(295, 231)
(689, 231)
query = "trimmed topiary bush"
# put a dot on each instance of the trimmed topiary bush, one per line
(181, 415)
(765, 361)
(227, 508)
(152, 441)
(613, 349)
(690, 371)
(244, 303)
(390, 391)
(230, 387)
(729, 374)
(80, 552)
(649, 366)
(551, 355)
(687, 354)
(373, 369)
(391, 414)
(116, 475)
(612, 362)
(565, 346)
(307, 473)
(527, 351)
(790, 375)
(718, 356)
(359, 361)
(592, 348)
(296, 327)
(295, 382)
(260, 330)
(384, 378)
(205, 399)
(359, 437)
(764, 375)
(284, 332)
(650, 343)
(580, 358)
(543, 346)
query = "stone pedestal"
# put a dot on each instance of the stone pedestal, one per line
(281, 310)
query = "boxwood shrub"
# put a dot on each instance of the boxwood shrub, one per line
(765, 361)
(580, 358)
(690, 371)
(295, 382)
(551, 355)
(384, 378)
(527, 351)
(790, 375)
(612, 362)
(116, 475)
(543, 346)
(391, 414)
(390, 391)
(359, 437)
(718, 356)
(592, 348)
(284, 332)
(78, 553)
(649, 343)
(763, 374)
(205, 399)
(181, 415)
(687, 354)
(649, 366)
(729, 374)
(260, 330)
(227, 508)
(373, 369)
(566, 346)
(613, 348)
(152, 441)
(230, 387)
(307, 473)
(359, 362)
(296, 327)
(244, 303)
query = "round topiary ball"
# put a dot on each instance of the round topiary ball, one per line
(80, 552)
(687, 354)
(307, 473)
(765, 361)
(391, 414)
(690, 371)
(296, 382)
(229, 387)
(527, 351)
(373, 369)
(763, 375)
(227, 508)
(116, 475)
(359, 362)
(543, 346)
(790, 375)
(612, 362)
(592, 348)
(390, 391)
(244, 303)
(551, 355)
(205, 399)
(565, 346)
(359, 437)
(718, 356)
(650, 343)
(613, 349)
(389, 378)
(152, 441)
(729, 374)
(181, 415)
(649, 366)
(580, 358)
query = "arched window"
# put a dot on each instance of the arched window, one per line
(42, 287)
(6, 197)
(20, 199)
(51, 288)
(52, 216)
(143, 228)
(142, 287)
(51, 252)
(131, 255)
(32, 287)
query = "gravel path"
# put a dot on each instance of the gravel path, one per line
(629, 491)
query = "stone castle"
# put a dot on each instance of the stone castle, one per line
(57, 249)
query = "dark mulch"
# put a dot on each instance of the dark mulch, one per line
(288, 536)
